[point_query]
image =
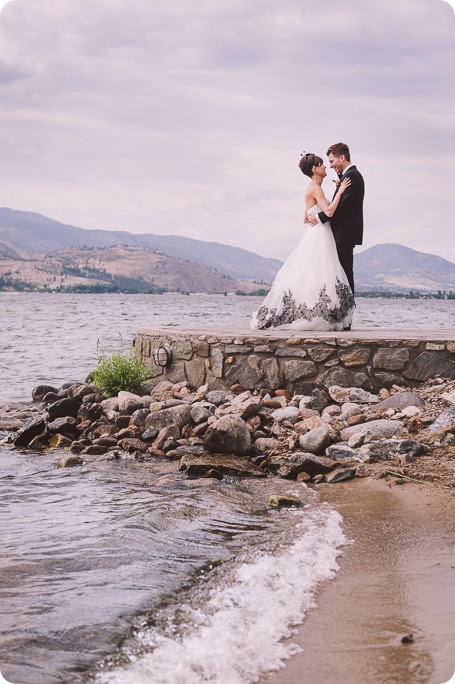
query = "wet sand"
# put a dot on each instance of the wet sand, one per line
(396, 578)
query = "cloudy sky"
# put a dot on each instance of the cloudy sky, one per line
(188, 117)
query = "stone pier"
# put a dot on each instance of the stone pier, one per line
(370, 358)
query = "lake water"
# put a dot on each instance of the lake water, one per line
(53, 337)
(126, 572)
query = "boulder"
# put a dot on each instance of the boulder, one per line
(228, 435)
(40, 391)
(290, 413)
(343, 452)
(30, 429)
(380, 428)
(341, 475)
(176, 415)
(388, 449)
(444, 420)
(264, 445)
(63, 407)
(199, 414)
(89, 412)
(352, 394)
(128, 403)
(316, 441)
(289, 466)
(65, 424)
(401, 400)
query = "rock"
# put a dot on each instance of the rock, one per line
(80, 391)
(128, 403)
(63, 407)
(77, 446)
(70, 462)
(176, 415)
(138, 418)
(352, 394)
(388, 449)
(11, 424)
(345, 378)
(319, 399)
(358, 419)
(168, 432)
(89, 412)
(359, 438)
(444, 420)
(401, 400)
(449, 397)
(341, 475)
(218, 397)
(149, 434)
(199, 414)
(163, 386)
(349, 409)
(264, 445)
(105, 441)
(429, 365)
(95, 450)
(50, 398)
(40, 391)
(284, 501)
(225, 465)
(59, 441)
(110, 404)
(380, 428)
(30, 429)
(391, 358)
(410, 412)
(132, 444)
(316, 441)
(290, 413)
(289, 466)
(65, 424)
(228, 435)
(342, 452)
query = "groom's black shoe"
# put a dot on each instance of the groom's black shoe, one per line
(348, 328)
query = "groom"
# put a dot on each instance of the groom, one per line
(347, 221)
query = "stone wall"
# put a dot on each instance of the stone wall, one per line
(298, 363)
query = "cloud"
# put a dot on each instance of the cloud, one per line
(189, 119)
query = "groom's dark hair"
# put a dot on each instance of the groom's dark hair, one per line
(339, 149)
(307, 162)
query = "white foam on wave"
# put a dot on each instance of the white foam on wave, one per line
(240, 632)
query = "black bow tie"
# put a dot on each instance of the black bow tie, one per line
(340, 176)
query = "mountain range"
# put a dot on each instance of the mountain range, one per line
(168, 262)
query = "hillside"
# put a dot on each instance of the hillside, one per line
(398, 268)
(118, 268)
(390, 267)
(29, 232)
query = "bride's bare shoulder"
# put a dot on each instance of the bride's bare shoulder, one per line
(310, 195)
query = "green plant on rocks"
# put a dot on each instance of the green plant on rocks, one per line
(123, 371)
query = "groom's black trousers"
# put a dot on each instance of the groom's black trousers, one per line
(346, 259)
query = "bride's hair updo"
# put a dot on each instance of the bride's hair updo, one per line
(307, 162)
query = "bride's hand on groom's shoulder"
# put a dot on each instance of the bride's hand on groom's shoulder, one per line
(345, 183)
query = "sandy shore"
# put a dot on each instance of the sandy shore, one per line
(396, 578)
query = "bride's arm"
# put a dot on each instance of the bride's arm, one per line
(329, 209)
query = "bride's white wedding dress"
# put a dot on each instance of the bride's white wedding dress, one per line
(310, 291)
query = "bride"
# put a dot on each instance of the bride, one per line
(311, 290)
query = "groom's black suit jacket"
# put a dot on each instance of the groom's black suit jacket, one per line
(347, 221)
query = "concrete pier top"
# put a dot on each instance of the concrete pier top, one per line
(299, 361)
(427, 334)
